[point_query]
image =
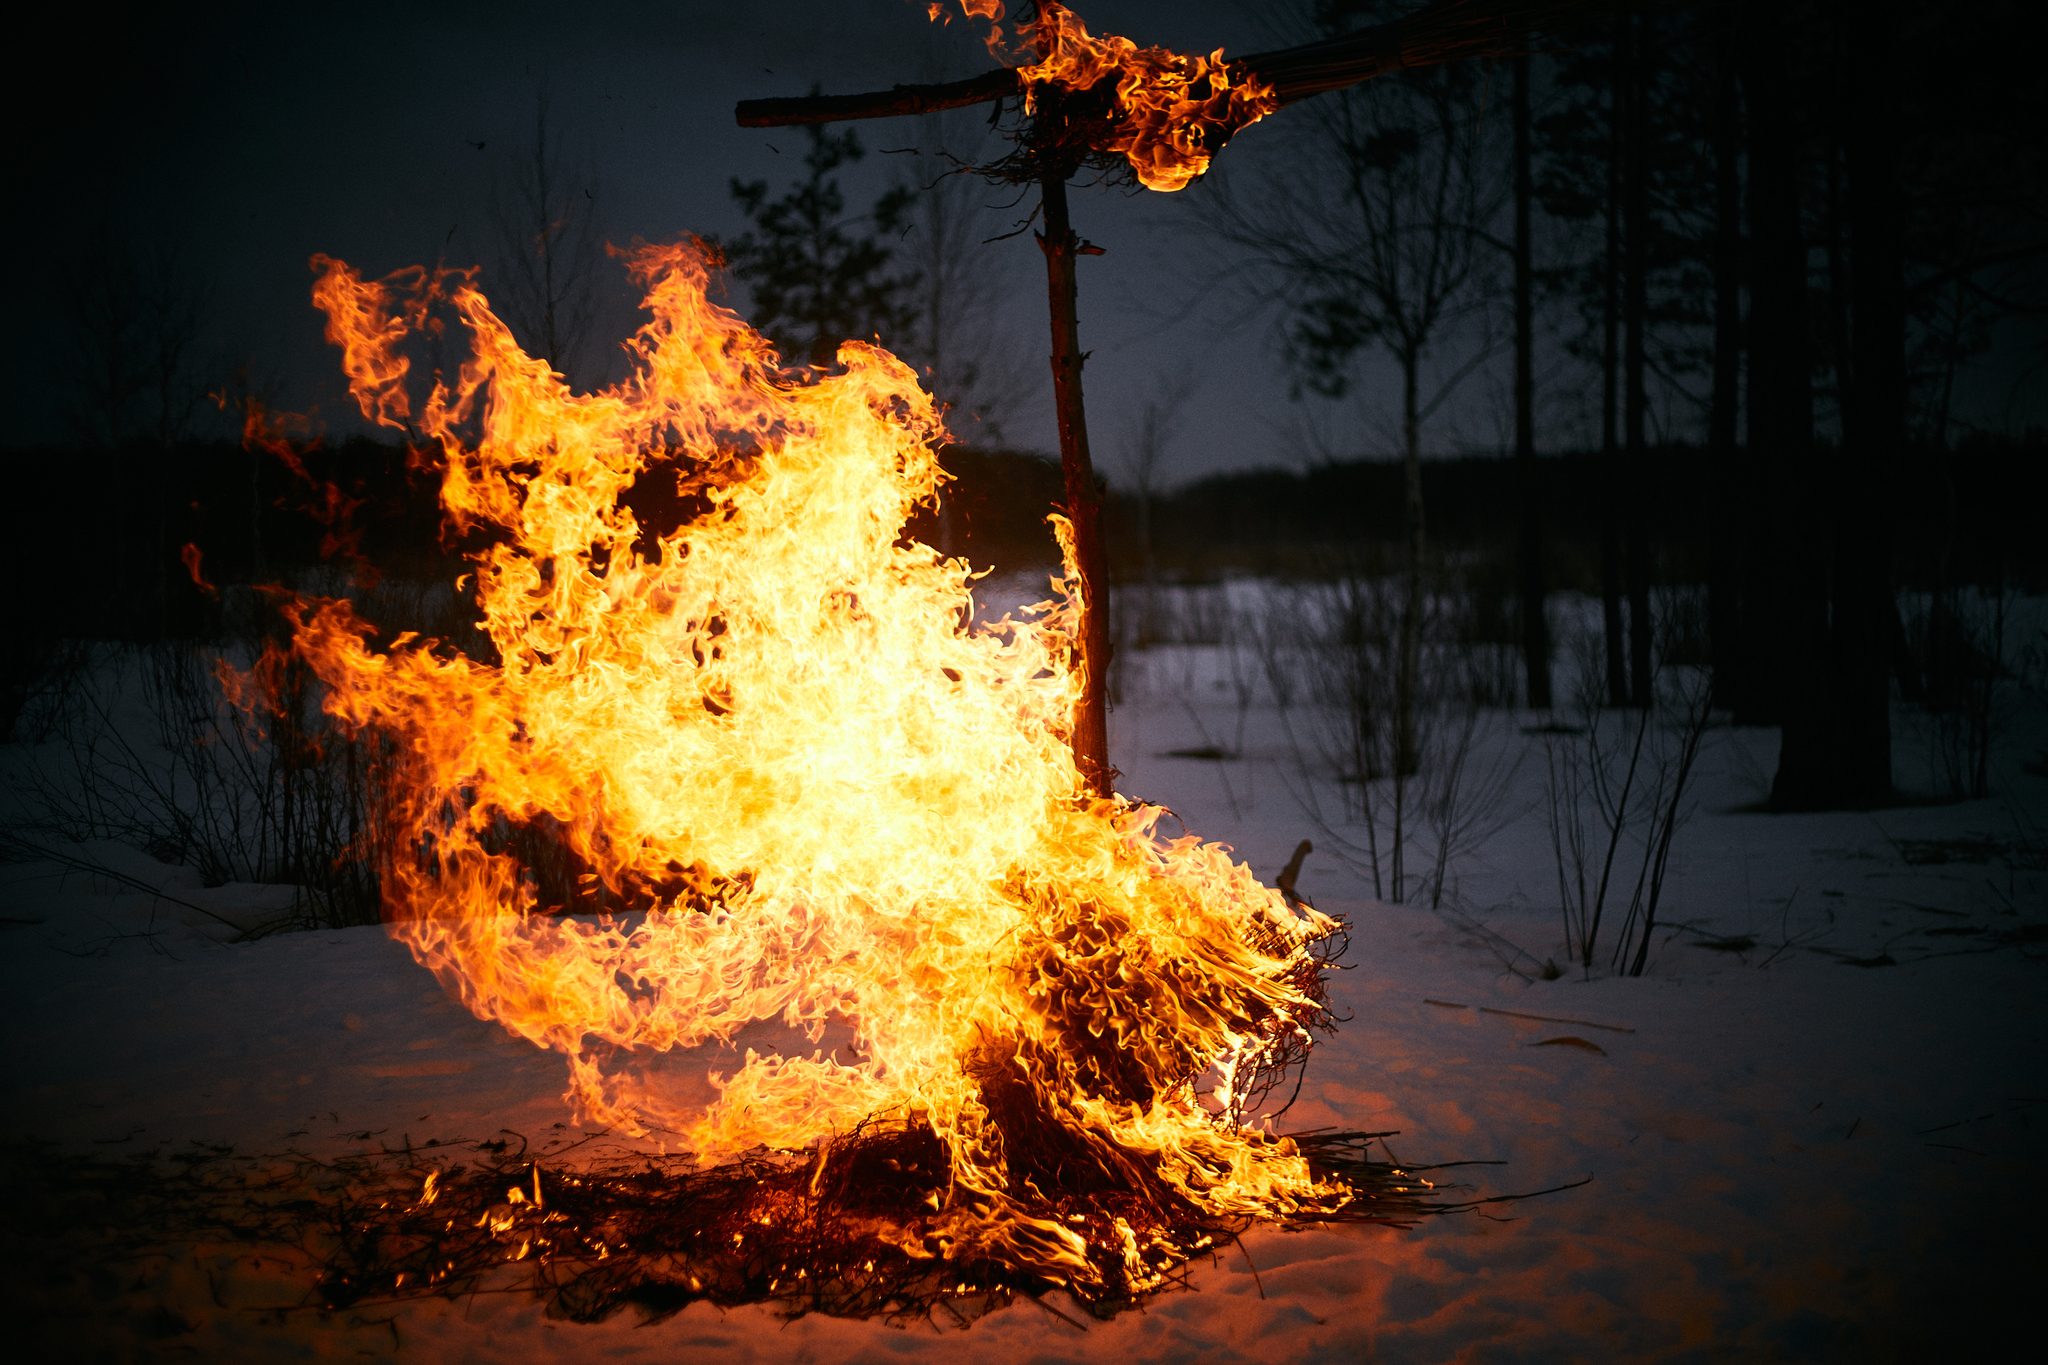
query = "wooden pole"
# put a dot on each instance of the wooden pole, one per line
(1084, 501)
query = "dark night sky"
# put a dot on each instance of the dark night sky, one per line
(257, 135)
(263, 134)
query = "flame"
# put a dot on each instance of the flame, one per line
(190, 554)
(1170, 104)
(799, 782)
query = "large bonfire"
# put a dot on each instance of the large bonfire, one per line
(795, 778)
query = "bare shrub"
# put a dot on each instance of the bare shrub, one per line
(248, 785)
(39, 686)
(1401, 826)
(1616, 796)
(1960, 638)
(217, 755)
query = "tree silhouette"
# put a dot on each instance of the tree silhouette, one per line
(544, 212)
(816, 280)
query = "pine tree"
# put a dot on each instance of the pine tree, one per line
(817, 279)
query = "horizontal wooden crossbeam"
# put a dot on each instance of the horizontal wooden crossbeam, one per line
(902, 99)
(1451, 30)
(1295, 73)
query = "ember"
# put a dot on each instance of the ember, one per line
(792, 784)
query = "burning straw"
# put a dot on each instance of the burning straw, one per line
(847, 1229)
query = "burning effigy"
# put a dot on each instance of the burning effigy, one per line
(797, 780)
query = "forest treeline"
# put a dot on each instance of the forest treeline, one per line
(172, 542)
(1969, 516)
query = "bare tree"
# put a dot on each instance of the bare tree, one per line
(1725, 571)
(134, 310)
(973, 365)
(1535, 630)
(1618, 791)
(1143, 451)
(1369, 234)
(548, 245)
(1402, 831)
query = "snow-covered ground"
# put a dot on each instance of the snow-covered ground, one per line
(1792, 1157)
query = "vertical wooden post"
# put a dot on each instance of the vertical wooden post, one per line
(1084, 501)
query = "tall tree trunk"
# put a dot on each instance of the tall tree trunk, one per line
(1834, 227)
(1874, 417)
(1635, 308)
(1724, 570)
(1084, 500)
(1610, 362)
(1535, 629)
(1407, 756)
(1781, 420)
(1757, 647)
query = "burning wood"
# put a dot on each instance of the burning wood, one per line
(794, 786)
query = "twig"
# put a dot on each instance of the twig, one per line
(1510, 1198)
(1248, 1264)
(1552, 1019)
(14, 843)
(1033, 1298)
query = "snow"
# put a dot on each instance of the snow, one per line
(1791, 1157)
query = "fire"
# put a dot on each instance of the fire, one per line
(798, 782)
(1170, 105)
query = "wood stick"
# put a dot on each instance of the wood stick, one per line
(1285, 881)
